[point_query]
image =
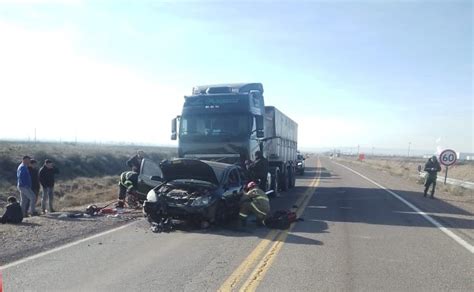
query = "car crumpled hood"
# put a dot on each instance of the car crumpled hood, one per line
(188, 169)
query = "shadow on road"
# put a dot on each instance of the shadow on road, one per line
(252, 231)
(376, 206)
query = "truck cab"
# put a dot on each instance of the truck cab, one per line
(221, 123)
(230, 122)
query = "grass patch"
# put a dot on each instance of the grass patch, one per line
(88, 172)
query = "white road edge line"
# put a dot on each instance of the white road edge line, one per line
(59, 248)
(448, 232)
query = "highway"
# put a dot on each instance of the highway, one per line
(356, 236)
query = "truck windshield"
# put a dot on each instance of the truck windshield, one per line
(211, 125)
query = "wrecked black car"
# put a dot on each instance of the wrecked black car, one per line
(196, 191)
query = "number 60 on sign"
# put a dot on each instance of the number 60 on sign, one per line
(448, 157)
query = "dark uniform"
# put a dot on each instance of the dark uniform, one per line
(13, 214)
(135, 162)
(254, 201)
(432, 167)
(35, 183)
(259, 170)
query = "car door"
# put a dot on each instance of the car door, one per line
(233, 187)
(150, 176)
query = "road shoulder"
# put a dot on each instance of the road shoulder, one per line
(453, 212)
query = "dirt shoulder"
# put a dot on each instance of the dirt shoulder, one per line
(41, 233)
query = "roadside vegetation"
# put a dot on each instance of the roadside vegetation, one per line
(88, 172)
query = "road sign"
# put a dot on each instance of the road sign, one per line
(448, 157)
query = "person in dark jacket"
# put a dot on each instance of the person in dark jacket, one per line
(259, 170)
(135, 161)
(13, 213)
(46, 177)
(432, 167)
(35, 184)
(27, 197)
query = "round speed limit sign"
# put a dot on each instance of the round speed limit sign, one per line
(448, 157)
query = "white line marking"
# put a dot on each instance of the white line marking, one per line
(68, 245)
(448, 232)
(317, 207)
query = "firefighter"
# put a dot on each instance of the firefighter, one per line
(254, 201)
(432, 167)
(259, 169)
(127, 189)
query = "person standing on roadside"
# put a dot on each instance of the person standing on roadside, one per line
(432, 167)
(135, 161)
(27, 197)
(46, 178)
(35, 184)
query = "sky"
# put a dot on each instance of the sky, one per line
(381, 74)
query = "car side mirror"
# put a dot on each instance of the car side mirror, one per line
(156, 178)
(259, 126)
(174, 127)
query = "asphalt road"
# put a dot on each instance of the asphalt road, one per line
(355, 236)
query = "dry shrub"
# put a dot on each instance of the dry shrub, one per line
(89, 191)
(88, 172)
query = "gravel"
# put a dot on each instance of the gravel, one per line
(40, 233)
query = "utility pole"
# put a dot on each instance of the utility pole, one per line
(373, 151)
(35, 136)
(409, 145)
(358, 149)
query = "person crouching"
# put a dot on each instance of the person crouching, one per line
(254, 201)
(13, 213)
(128, 192)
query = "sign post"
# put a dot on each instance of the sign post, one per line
(447, 158)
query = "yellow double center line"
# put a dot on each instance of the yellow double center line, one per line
(255, 261)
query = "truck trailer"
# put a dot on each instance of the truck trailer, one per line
(280, 146)
(230, 122)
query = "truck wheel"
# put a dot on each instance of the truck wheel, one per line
(275, 184)
(285, 181)
(268, 186)
(292, 178)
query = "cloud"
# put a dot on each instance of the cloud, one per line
(322, 131)
(47, 84)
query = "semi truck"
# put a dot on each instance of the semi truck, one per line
(230, 122)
